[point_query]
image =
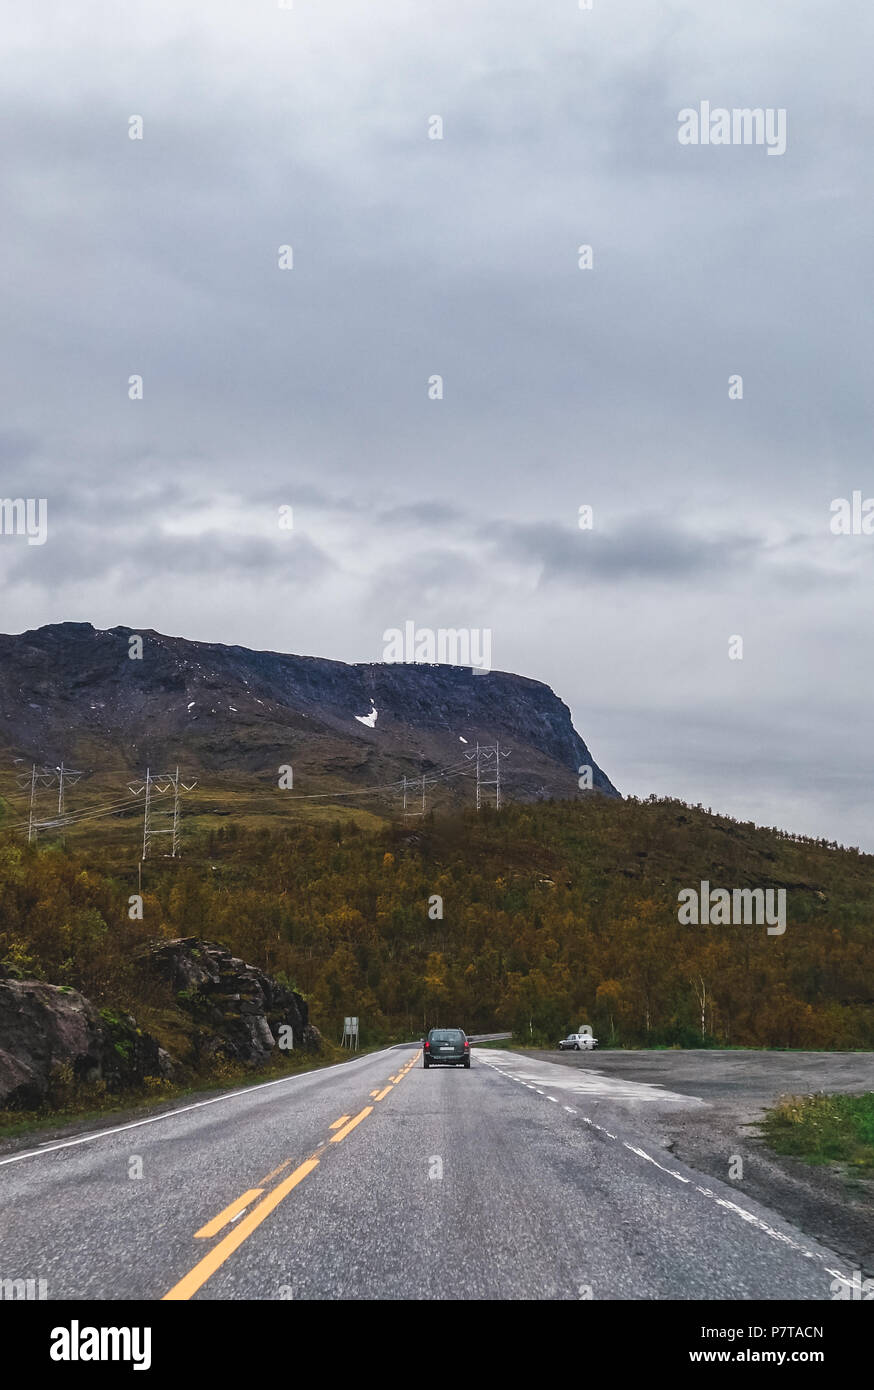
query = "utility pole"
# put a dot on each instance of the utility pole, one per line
(423, 793)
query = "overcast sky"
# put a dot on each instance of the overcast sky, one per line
(263, 387)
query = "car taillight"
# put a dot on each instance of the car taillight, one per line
(427, 1045)
(466, 1043)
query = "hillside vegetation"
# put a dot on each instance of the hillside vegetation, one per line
(554, 914)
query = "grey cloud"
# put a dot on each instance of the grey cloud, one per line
(73, 557)
(645, 548)
(459, 257)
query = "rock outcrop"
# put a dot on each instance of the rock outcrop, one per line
(51, 1035)
(238, 1012)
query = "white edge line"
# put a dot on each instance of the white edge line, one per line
(183, 1110)
(747, 1216)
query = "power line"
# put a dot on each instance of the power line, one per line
(159, 784)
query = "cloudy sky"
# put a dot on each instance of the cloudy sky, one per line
(264, 387)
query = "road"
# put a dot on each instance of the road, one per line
(376, 1179)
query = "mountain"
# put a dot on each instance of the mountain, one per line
(70, 691)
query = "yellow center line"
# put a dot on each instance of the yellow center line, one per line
(341, 1133)
(276, 1171)
(213, 1227)
(206, 1267)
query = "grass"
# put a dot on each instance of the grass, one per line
(824, 1129)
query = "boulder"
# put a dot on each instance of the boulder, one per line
(50, 1033)
(237, 1009)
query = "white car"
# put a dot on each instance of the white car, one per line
(578, 1042)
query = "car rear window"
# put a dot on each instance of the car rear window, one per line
(445, 1035)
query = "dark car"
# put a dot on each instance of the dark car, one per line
(446, 1047)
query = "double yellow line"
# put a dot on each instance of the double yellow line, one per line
(205, 1268)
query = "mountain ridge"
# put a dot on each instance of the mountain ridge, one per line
(72, 691)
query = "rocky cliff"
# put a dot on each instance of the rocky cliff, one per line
(237, 1011)
(70, 691)
(220, 1009)
(52, 1036)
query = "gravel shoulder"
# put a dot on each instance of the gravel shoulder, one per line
(828, 1203)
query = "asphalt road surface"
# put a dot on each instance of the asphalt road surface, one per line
(376, 1179)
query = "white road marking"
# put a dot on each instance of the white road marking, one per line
(586, 1080)
(749, 1217)
(649, 1158)
(183, 1110)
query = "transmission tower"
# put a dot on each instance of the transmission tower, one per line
(485, 755)
(158, 784)
(408, 784)
(61, 776)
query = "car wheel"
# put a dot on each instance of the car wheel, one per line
(426, 1064)
(467, 1063)
(576, 1047)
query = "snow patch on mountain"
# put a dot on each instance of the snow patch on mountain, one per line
(368, 719)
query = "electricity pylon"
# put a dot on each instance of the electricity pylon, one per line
(485, 754)
(407, 787)
(159, 784)
(44, 776)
